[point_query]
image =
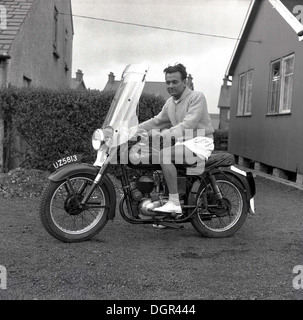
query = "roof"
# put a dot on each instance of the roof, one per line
(75, 84)
(16, 11)
(157, 88)
(284, 7)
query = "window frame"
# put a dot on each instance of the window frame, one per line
(279, 107)
(55, 33)
(244, 106)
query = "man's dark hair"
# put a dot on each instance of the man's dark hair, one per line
(177, 68)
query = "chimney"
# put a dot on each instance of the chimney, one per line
(111, 78)
(190, 82)
(79, 75)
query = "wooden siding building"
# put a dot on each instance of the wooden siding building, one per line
(266, 69)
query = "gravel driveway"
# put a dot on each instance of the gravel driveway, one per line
(135, 262)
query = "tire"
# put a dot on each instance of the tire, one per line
(63, 220)
(211, 225)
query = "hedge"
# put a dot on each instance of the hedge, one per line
(59, 123)
(221, 139)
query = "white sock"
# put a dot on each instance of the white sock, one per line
(174, 198)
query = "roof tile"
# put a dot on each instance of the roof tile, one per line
(16, 12)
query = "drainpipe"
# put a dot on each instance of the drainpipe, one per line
(3, 84)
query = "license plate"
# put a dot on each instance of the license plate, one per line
(66, 160)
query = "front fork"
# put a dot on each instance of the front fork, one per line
(94, 185)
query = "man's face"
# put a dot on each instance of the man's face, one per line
(175, 84)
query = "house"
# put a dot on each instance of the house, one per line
(78, 82)
(266, 111)
(151, 87)
(224, 105)
(36, 38)
(36, 44)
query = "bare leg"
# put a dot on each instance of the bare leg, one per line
(180, 154)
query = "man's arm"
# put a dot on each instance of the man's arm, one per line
(197, 111)
(160, 121)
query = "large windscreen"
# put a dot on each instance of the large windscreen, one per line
(122, 113)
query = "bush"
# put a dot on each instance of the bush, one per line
(59, 123)
(221, 139)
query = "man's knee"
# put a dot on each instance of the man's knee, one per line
(166, 156)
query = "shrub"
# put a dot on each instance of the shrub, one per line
(59, 123)
(221, 139)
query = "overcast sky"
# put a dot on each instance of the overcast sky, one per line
(101, 47)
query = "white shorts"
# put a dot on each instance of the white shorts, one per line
(201, 146)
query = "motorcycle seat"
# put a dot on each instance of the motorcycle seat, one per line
(222, 159)
(216, 160)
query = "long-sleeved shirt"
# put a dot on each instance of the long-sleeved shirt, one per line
(189, 112)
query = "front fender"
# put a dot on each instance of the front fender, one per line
(72, 169)
(78, 168)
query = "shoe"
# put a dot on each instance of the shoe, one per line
(159, 226)
(170, 207)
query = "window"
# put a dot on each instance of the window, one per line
(228, 115)
(245, 93)
(26, 82)
(281, 85)
(55, 34)
(66, 50)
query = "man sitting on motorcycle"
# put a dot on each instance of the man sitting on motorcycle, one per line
(185, 110)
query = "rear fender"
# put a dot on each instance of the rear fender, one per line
(243, 180)
(78, 168)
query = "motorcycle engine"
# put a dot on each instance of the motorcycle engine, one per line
(145, 191)
(147, 206)
(145, 184)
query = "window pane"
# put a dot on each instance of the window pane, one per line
(287, 94)
(248, 96)
(241, 94)
(275, 88)
(289, 65)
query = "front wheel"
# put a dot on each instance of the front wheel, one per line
(63, 217)
(220, 218)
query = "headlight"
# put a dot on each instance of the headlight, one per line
(97, 139)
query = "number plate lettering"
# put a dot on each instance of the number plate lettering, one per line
(66, 160)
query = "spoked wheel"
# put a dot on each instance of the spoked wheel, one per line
(64, 217)
(222, 218)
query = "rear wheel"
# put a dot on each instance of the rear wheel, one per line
(221, 218)
(63, 217)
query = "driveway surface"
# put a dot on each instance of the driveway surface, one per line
(135, 262)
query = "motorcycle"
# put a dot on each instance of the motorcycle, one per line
(80, 198)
